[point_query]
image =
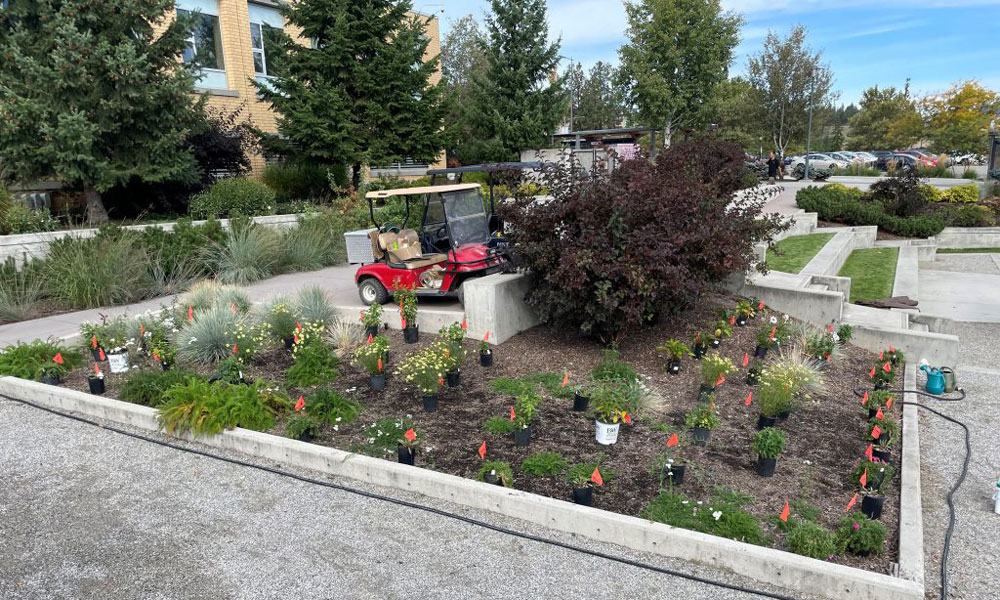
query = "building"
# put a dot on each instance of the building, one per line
(231, 40)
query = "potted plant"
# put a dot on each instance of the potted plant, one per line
(764, 342)
(118, 358)
(581, 397)
(774, 398)
(162, 350)
(425, 370)
(881, 378)
(485, 352)
(767, 445)
(876, 400)
(583, 480)
(860, 535)
(372, 319)
(698, 345)
(714, 369)
(96, 381)
(844, 333)
(454, 335)
(820, 346)
(754, 372)
(609, 401)
(720, 331)
(52, 374)
(888, 433)
(370, 357)
(522, 414)
(496, 472)
(895, 356)
(675, 350)
(283, 322)
(744, 312)
(669, 467)
(406, 299)
(871, 477)
(406, 449)
(302, 427)
(702, 419)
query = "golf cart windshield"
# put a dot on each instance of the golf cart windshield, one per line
(466, 217)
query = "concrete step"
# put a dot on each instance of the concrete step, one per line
(874, 317)
(818, 286)
(782, 280)
(919, 327)
(828, 261)
(907, 273)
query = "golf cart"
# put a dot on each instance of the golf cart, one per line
(452, 244)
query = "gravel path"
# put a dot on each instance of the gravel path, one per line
(974, 563)
(988, 264)
(89, 513)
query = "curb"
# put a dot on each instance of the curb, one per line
(790, 571)
(911, 525)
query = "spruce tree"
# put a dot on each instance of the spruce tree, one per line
(359, 92)
(517, 102)
(90, 96)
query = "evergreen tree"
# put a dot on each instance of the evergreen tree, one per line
(518, 101)
(600, 102)
(90, 96)
(461, 58)
(359, 92)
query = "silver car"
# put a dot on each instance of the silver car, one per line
(820, 161)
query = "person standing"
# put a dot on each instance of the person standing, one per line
(773, 165)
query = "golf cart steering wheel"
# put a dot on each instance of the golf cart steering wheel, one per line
(389, 227)
(441, 233)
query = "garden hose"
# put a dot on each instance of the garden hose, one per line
(946, 550)
(429, 509)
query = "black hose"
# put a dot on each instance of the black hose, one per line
(430, 509)
(946, 550)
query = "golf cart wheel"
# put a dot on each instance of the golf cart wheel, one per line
(372, 291)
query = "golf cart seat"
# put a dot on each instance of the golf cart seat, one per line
(404, 248)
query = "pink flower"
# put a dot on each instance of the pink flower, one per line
(856, 526)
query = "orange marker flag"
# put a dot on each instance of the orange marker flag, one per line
(891, 349)
(156, 356)
(93, 342)
(300, 404)
(362, 315)
(876, 432)
(232, 307)
(403, 322)
(749, 399)
(785, 512)
(865, 399)
(58, 359)
(887, 368)
(732, 319)
(482, 451)
(236, 349)
(869, 451)
(380, 364)
(596, 477)
(746, 358)
(879, 414)
(829, 328)
(853, 501)
(97, 370)
(410, 435)
(720, 380)
(673, 441)
(760, 305)
(100, 354)
(627, 418)
(864, 478)
(888, 403)
(142, 330)
(774, 330)
(298, 326)
(487, 337)
(511, 413)
(370, 338)
(565, 379)
(881, 355)
(190, 312)
(464, 324)
(872, 373)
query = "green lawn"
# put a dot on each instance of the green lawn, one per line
(872, 272)
(792, 254)
(967, 250)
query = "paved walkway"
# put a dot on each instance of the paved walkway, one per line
(963, 287)
(86, 513)
(337, 281)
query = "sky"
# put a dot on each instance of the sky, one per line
(934, 43)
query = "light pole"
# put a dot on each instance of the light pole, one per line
(760, 154)
(809, 134)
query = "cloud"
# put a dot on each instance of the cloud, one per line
(879, 30)
(805, 6)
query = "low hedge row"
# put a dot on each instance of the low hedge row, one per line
(848, 205)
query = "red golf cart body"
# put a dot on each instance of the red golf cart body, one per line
(453, 243)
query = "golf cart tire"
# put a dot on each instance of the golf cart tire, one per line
(371, 291)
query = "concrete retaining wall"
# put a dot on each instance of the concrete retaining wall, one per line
(937, 348)
(495, 303)
(36, 245)
(815, 306)
(793, 572)
(968, 237)
(907, 273)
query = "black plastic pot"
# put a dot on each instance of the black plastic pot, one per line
(522, 436)
(673, 367)
(405, 455)
(742, 321)
(699, 350)
(289, 342)
(716, 344)
(492, 478)
(872, 506)
(881, 386)
(705, 393)
(486, 358)
(96, 384)
(763, 421)
(583, 495)
(700, 435)
(760, 352)
(580, 402)
(305, 436)
(765, 466)
(411, 335)
(51, 379)
(882, 455)
(164, 366)
(376, 382)
(454, 378)
(752, 377)
(371, 330)
(430, 403)
(676, 474)
(871, 413)
(96, 353)
(783, 416)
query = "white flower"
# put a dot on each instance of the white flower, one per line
(684, 501)
(836, 337)
(338, 419)
(785, 317)
(774, 320)
(700, 503)
(717, 514)
(807, 462)
(336, 427)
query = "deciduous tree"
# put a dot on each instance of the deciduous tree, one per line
(887, 119)
(959, 119)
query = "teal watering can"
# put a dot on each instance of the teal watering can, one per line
(935, 380)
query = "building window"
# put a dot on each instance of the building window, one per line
(204, 45)
(266, 25)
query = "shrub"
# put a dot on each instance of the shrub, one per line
(879, 475)
(383, 435)
(35, 359)
(148, 386)
(510, 386)
(715, 366)
(99, 271)
(20, 290)
(502, 470)
(425, 370)
(21, 219)
(208, 338)
(961, 194)
(498, 425)
(206, 408)
(6, 203)
(313, 304)
(315, 363)
(971, 215)
(248, 254)
(608, 252)
(297, 181)
(544, 463)
(970, 174)
(723, 516)
(299, 425)
(180, 248)
(812, 540)
(370, 356)
(309, 246)
(846, 208)
(769, 442)
(612, 368)
(229, 197)
(702, 416)
(332, 407)
(858, 534)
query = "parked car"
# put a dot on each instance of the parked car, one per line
(846, 157)
(821, 161)
(901, 161)
(880, 157)
(867, 158)
(969, 159)
(925, 160)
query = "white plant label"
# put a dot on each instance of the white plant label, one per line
(606, 433)
(118, 362)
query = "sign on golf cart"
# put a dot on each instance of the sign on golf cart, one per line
(449, 243)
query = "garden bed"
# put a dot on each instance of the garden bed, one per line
(824, 439)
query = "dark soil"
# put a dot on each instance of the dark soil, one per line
(824, 437)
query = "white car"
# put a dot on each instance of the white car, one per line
(819, 161)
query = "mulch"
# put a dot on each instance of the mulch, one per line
(824, 437)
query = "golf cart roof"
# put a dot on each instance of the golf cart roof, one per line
(417, 191)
